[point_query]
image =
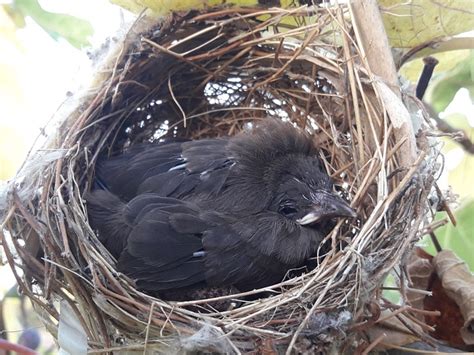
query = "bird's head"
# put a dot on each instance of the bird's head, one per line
(280, 163)
(304, 192)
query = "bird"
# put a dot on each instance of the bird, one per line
(239, 211)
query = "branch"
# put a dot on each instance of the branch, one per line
(19, 349)
(370, 32)
(425, 77)
(374, 39)
(457, 135)
(437, 46)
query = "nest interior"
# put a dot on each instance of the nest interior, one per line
(207, 74)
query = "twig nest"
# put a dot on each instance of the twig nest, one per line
(206, 74)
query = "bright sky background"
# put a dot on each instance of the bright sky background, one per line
(41, 71)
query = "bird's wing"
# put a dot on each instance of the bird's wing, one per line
(244, 253)
(261, 249)
(164, 248)
(123, 174)
(174, 169)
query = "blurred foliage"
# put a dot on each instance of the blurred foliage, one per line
(448, 83)
(459, 164)
(457, 238)
(454, 72)
(447, 61)
(74, 30)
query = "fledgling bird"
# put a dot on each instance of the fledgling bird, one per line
(237, 211)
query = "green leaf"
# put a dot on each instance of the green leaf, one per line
(447, 84)
(460, 238)
(74, 30)
(411, 23)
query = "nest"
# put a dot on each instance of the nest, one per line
(207, 74)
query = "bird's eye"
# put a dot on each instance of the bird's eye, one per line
(287, 209)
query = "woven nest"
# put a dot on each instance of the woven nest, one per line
(207, 74)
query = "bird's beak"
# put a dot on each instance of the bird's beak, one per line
(327, 205)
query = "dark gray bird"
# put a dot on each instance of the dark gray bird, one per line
(238, 211)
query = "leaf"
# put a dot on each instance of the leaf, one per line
(420, 269)
(74, 30)
(393, 332)
(163, 7)
(449, 323)
(458, 238)
(440, 275)
(446, 85)
(411, 23)
(16, 16)
(458, 283)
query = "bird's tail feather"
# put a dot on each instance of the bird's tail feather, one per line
(107, 215)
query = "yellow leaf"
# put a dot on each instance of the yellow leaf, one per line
(163, 7)
(410, 23)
